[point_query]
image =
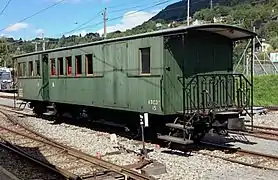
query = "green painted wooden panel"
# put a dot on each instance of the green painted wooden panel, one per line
(117, 82)
(31, 88)
(173, 59)
(115, 78)
(203, 53)
(45, 77)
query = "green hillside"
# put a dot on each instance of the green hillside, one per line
(177, 11)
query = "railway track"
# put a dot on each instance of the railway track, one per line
(263, 132)
(240, 156)
(268, 133)
(234, 155)
(70, 163)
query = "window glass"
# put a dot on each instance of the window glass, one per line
(31, 68)
(61, 66)
(89, 64)
(53, 67)
(69, 65)
(78, 65)
(38, 68)
(145, 60)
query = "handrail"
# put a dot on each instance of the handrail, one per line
(161, 93)
(216, 74)
(217, 91)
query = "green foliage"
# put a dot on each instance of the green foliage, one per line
(249, 13)
(209, 14)
(243, 12)
(274, 42)
(265, 90)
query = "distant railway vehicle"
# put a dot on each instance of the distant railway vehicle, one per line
(6, 80)
(183, 77)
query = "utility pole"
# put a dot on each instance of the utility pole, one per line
(104, 21)
(43, 42)
(210, 4)
(36, 46)
(188, 6)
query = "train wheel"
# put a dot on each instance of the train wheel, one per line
(39, 109)
(198, 136)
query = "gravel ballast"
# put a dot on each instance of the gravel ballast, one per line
(269, 119)
(23, 168)
(193, 166)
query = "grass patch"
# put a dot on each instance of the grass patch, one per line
(266, 90)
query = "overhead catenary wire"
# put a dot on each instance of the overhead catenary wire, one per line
(86, 22)
(134, 12)
(42, 10)
(157, 4)
(101, 22)
(5, 7)
(129, 8)
(124, 4)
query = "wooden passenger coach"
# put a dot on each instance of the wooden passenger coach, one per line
(184, 72)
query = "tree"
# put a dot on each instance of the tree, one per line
(274, 42)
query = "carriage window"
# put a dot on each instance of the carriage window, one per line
(89, 64)
(31, 68)
(61, 66)
(145, 60)
(78, 64)
(20, 69)
(38, 67)
(53, 67)
(69, 65)
(24, 70)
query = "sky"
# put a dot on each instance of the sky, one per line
(67, 16)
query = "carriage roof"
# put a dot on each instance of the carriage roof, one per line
(229, 31)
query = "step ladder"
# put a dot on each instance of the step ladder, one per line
(22, 105)
(51, 111)
(178, 140)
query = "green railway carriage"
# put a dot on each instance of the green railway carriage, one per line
(184, 70)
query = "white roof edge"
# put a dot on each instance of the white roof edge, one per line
(239, 33)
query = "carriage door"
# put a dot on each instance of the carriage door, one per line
(45, 77)
(173, 72)
(115, 77)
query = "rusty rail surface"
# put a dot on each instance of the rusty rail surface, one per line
(49, 166)
(263, 127)
(110, 167)
(243, 152)
(269, 133)
(259, 134)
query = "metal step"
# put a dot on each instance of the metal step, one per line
(49, 113)
(50, 107)
(178, 126)
(175, 139)
(21, 102)
(227, 113)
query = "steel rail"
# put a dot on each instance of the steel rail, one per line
(241, 150)
(248, 152)
(49, 166)
(238, 162)
(258, 134)
(78, 154)
(263, 127)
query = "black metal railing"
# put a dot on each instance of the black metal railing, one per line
(213, 92)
